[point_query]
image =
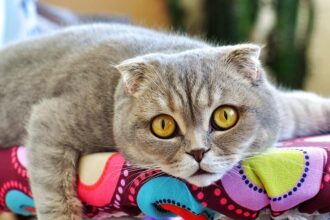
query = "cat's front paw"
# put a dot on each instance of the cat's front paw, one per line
(61, 217)
(66, 211)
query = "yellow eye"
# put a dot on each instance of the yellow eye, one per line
(163, 126)
(224, 117)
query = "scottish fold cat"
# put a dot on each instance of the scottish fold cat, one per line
(185, 106)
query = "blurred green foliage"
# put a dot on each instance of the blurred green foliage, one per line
(288, 57)
(177, 14)
(232, 21)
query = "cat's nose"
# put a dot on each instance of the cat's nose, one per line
(198, 154)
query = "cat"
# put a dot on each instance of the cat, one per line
(186, 106)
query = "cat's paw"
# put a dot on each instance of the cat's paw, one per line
(54, 216)
(71, 210)
(68, 210)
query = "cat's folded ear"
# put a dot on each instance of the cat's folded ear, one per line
(135, 74)
(245, 58)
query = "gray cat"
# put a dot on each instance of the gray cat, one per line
(185, 106)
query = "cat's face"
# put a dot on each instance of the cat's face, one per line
(195, 114)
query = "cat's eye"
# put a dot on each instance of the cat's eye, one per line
(163, 126)
(224, 117)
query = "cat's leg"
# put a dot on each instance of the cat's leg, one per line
(53, 177)
(54, 145)
(303, 114)
(52, 172)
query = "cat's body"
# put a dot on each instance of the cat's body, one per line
(63, 97)
(37, 69)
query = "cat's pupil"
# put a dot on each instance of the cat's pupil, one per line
(163, 124)
(225, 115)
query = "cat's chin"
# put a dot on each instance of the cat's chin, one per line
(203, 180)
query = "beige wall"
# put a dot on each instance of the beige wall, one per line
(152, 13)
(319, 56)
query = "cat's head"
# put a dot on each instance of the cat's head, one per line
(195, 114)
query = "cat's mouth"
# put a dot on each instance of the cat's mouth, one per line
(200, 171)
(203, 178)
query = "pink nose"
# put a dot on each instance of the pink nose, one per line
(198, 154)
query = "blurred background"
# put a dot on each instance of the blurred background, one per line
(295, 33)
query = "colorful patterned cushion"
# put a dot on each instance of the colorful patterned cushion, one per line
(296, 174)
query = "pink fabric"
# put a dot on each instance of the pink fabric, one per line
(100, 193)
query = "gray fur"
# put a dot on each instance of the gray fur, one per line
(90, 88)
